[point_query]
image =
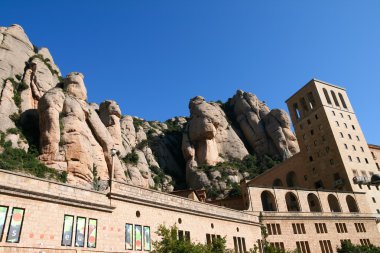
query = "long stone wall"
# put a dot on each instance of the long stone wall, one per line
(47, 202)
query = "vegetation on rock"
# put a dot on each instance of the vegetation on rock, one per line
(131, 158)
(19, 160)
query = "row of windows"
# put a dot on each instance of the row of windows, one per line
(292, 203)
(336, 102)
(80, 231)
(345, 125)
(341, 115)
(353, 147)
(321, 228)
(357, 159)
(303, 246)
(349, 136)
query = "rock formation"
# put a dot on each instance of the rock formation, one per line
(266, 131)
(207, 140)
(41, 110)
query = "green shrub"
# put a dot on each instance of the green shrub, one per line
(348, 247)
(131, 158)
(47, 63)
(18, 87)
(171, 243)
(173, 127)
(14, 159)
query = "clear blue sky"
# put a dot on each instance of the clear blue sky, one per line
(153, 56)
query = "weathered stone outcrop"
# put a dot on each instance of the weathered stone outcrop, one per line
(267, 132)
(208, 139)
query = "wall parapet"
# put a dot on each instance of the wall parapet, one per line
(129, 193)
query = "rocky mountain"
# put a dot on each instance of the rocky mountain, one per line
(48, 116)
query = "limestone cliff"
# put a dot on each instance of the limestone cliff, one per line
(39, 109)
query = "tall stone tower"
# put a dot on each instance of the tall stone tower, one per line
(332, 143)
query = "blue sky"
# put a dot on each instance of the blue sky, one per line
(153, 56)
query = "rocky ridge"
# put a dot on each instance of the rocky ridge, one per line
(214, 148)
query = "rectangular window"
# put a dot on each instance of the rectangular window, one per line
(208, 239)
(244, 246)
(365, 242)
(15, 226)
(92, 233)
(326, 246)
(235, 245)
(3, 219)
(67, 233)
(80, 232)
(321, 228)
(128, 236)
(187, 236)
(303, 246)
(278, 245)
(298, 228)
(274, 229)
(341, 227)
(180, 235)
(360, 228)
(138, 237)
(146, 236)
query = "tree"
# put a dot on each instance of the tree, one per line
(170, 243)
(348, 247)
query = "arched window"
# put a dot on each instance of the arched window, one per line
(327, 96)
(335, 99)
(277, 182)
(334, 204)
(311, 99)
(291, 179)
(296, 110)
(314, 204)
(268, 201)
(351, 203)
(292, 202)
(304, 105)
(342, 101)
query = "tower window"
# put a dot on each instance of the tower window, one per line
(296, 110)
(311, 99)
(341, 115)
(327, 96)
(349, 117)
(362, 149)
(342, 100)
(337, 123)
(345, 146)
(303, 103)
(345, 125)
(335, 99)
(353, 147)
(316, 116)
(350, 158)
(357, 158)
(311, 158)
(333, 113)
(366, 160)
(341, 135)
(353, 127)
(349, 136)
(357, 138)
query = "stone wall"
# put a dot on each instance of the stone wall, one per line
(47, 202)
